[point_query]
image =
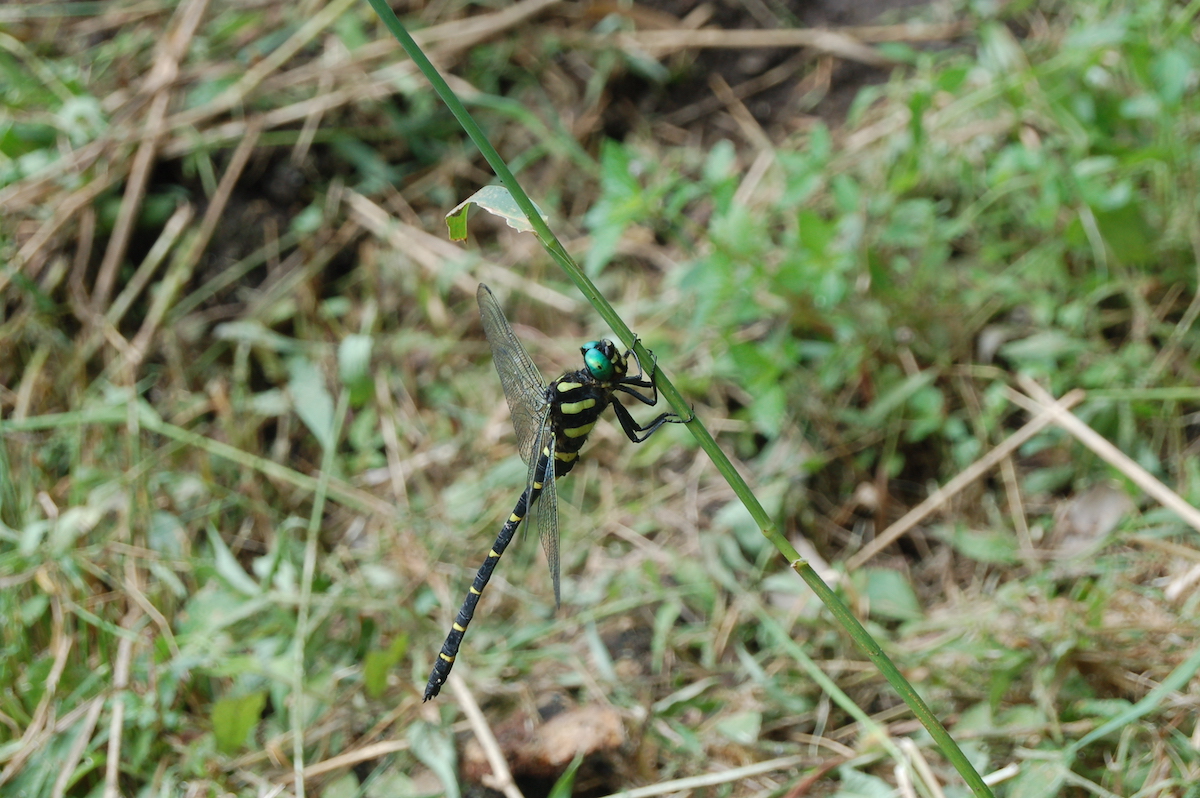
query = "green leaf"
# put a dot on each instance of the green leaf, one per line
(254, 333)
(894, 398)
(890, 595)
(815, 233)
(987, 546)
(234, 718)
(1127, 233)
(344, 786)
(856, 784)
(495, 200)
(1172, 71)
(721, 160)
(308, 221)
(354, 367)
(769, 410)
(622, 202)
(1045, 347)
(566, 782)
(228, 568)
(312, 401)
(378, 663)
(1038, 780)
(664, 620)
(33, 608)
(741, 727)
(435, 749)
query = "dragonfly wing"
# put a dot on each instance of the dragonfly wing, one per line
(545, 511)
(523, 385)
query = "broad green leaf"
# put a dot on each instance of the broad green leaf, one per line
(33, 608)
(891, 595)
(354, 367)
(378, 663)
(354, 358)
(435, 749)
(344, 786)
(234, 718)
(311, 399)
(497, 201)
(986, 545)
(228, 568)
(769, 410)
(270, 403)
(1126, 231)
(815, 233)
(1038, 780)
(1172, 71)
(255, 334)
(856, 784)
(741, 727)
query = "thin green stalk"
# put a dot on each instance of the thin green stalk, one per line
(556, 250)
(871, 729)
(300, 638)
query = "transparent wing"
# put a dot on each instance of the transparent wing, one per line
(545, 511)
(523, 385)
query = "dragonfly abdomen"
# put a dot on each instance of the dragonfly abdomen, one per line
(445, 660)
(575, 404)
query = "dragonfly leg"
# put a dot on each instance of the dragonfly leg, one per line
(637, 432)
(628, 386)
(639, 380)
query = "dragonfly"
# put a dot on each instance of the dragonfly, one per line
(552, 422)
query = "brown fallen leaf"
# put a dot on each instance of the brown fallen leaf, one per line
(544, 751)
(1082, 524)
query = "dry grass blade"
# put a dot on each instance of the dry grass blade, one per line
(468, 32)
(183, 132)
(82, 737)
(748, 88)
(348, 759)
(664, 42)
(502, 779)
(751, 129)
(117, 724)
(158, 83)
(1040, 401)
(455, 36)
(32, 252)
(252, 77)
(976, 470)
(848, 43)
(712, 779)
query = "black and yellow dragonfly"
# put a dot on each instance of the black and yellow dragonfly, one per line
(552, 423)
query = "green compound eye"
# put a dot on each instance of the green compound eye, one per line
(598, 363)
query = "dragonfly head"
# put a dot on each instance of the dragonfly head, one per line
(603, 361)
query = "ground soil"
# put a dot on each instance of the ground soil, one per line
(775, 108)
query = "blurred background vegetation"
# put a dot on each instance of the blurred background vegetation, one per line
(254, 447)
